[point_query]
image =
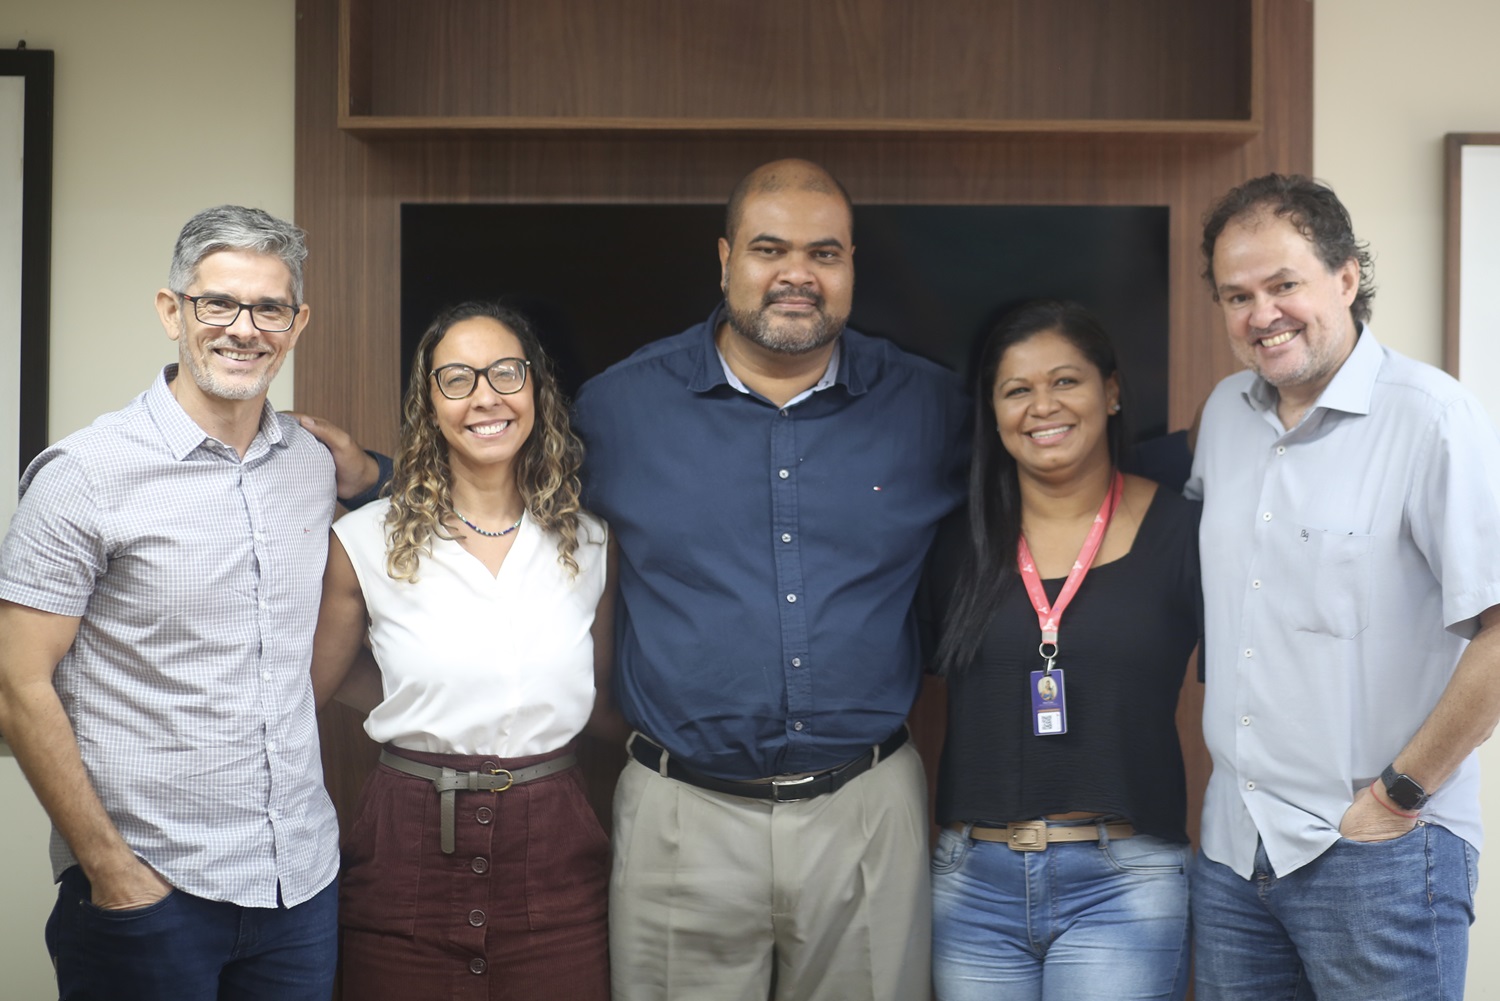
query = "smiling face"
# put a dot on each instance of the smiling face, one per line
(1286, 313)
(236, 362)
(1052, 407)
(484, 428)
(788, 279)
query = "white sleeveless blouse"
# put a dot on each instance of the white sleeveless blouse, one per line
(472, 663)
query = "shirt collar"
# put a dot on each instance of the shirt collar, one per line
(183, 435)
(1349, 390)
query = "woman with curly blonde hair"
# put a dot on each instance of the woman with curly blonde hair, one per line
(475, 866)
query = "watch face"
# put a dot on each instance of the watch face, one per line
(1403, 790)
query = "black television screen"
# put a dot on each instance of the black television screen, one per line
(602, 280)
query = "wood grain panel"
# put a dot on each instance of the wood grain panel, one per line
(955, 63)
(349, 191)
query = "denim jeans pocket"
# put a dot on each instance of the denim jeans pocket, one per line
(1146, 856)
(949, 853)
(112, 914)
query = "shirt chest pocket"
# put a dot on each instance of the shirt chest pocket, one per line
(1328, 590)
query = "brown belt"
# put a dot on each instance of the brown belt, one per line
(1036, 835)
(446, 781)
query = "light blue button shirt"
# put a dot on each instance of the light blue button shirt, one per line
(1345, 564)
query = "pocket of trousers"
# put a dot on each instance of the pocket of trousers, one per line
(567, 855)
(949, 852)
(382, 864)
(1144, 855)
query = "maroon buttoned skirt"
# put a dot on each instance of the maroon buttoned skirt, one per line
(516, 913)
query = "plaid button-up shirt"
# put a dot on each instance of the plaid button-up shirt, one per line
(198, 577)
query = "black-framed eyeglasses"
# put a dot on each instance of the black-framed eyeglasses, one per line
(217, 311)
(505, 376)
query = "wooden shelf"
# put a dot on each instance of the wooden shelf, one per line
(1028, 68)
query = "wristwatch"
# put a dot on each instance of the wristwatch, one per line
(1405, 791)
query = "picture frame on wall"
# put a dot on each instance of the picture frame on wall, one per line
(26, 81)
(1471, 312)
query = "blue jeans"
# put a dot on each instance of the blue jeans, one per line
(1078, 920)
(185, 948)
(1362, 921)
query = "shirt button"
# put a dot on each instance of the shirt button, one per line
(265, 676)
(792, 598)
(796, 661)
(480, 865)
(1281, 450)
(484, 815)
(786, 537)
(1244, 721)
(476, 918)
(264, 604)
(783, 413)
(797, 725)
(259, 537)
(1266, 516)
(270, 745)
(1250, 786)
(1249, 652)
(477, 965)
(1255, 584)
(783, 474)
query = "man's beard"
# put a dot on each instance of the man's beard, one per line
(786, 335)
(197, 361)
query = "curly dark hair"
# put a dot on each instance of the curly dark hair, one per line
(546, 467)
(1316, 212)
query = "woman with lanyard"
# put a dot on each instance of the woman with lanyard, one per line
(474, 867)
(1067, 604)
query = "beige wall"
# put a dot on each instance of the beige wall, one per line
(132, 78)
(132, 81)
(1391, 78)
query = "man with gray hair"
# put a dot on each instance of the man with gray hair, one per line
(158, 591)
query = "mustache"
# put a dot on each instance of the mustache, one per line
(781, 295)
(235, 344)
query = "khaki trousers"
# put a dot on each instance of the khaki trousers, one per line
(721, 898)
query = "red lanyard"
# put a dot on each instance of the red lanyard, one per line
(1049, 616)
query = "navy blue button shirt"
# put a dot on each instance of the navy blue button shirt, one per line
(769, 556)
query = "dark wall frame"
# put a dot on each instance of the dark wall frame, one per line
(35, 67)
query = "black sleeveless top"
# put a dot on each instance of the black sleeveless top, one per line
(1124, 646)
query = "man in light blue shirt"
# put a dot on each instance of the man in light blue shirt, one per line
(1351, 572)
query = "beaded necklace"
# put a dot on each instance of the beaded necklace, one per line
(492, 535)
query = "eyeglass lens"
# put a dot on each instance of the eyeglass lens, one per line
(506, 376)
(269, 317)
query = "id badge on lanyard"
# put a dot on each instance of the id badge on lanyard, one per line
(1049, 706)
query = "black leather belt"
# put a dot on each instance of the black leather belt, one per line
(788, 790)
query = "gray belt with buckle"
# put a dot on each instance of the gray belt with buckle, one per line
(447, 781)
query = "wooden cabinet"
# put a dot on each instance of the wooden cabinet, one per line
(1029, 67)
